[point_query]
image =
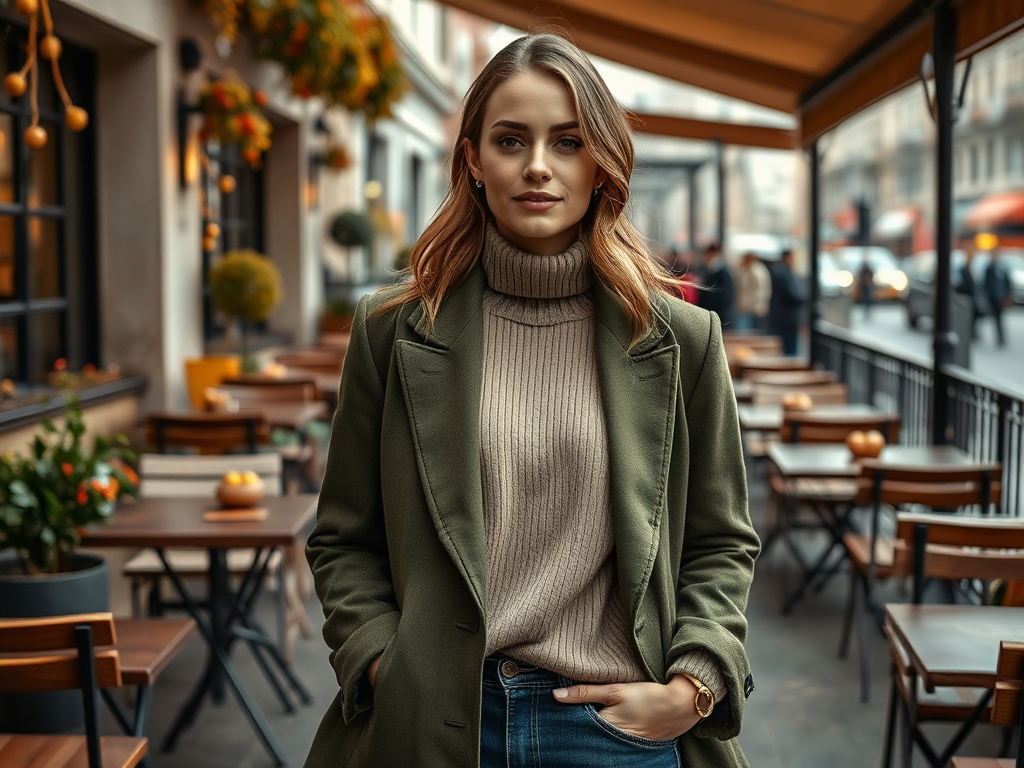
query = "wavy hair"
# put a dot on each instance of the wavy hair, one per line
(450, 246)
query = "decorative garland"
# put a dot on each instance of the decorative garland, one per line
(338, 50)
(233, 115)
(50, 47)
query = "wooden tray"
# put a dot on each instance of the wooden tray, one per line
(235, 515)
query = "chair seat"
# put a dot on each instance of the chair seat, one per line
(982, 762)
(946, 704)
(194, 562)
(46, 751)
(858, 546)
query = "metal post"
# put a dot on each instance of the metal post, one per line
(945, 339)
(692, 203)
(814, 247)
(720, 158)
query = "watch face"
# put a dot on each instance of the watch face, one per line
(705, 702)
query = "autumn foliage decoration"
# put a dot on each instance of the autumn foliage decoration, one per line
(233, 115)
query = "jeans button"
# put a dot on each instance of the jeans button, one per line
(509, 668)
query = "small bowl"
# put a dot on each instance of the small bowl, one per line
(244, 495)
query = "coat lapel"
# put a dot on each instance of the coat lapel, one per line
(441, 382)
(638, 389)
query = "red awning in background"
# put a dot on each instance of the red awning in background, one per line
(996, 210)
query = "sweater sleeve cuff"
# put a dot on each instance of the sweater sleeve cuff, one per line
(703, 666)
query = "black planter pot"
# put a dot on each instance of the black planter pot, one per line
(86, 589)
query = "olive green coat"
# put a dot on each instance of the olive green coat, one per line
(398, 551)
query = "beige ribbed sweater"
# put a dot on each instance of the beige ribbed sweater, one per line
(552, 592)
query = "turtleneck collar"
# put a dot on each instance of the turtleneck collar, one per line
(515, 272)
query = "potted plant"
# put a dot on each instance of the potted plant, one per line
(48, 499)
(245, 286)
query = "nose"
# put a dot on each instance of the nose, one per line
(538, 167)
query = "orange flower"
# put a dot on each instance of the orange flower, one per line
(106, 488)
(66, 468)
(60, 364)
(83, 495)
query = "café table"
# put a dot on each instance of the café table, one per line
(768, 418)
(825, 474)
(162, 523)
(953, 646)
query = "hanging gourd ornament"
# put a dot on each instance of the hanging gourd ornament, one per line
(35, 136)
(27, 7)
(76, 118)
(50, 48)
(227, 184)
(15, 85)
(209, 243)
(212, 230)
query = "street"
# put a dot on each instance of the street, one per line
(886, 327)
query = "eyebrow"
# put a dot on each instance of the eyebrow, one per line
(524, 127)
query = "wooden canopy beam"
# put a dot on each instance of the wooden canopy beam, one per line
(708, 130)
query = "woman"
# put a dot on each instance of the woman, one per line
(532, 545)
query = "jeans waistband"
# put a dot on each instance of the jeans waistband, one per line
(506, 672)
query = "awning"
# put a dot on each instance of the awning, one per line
(892, 225)
(820, 60)
(996, 212)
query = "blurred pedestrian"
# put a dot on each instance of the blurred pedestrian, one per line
(997, 292)
(678, 264)
(718, 295)
(532, 543)
(753, 294)
(966, 287)
(786, 304)
(865, 285)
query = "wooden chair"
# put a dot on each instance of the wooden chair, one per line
(252, 391)
(952, 548)
(820, 394)
(198, 477)
(741, 368)
(43, 664)
(207, 432)
(811, 427)
(312, 361)
(1007, 708)
(762, 345)
(872, 556)
(792, 379)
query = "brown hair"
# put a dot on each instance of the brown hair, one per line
(449, 248)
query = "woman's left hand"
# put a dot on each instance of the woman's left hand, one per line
(651, 710)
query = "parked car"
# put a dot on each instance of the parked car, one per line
(920, 298)
(890, 281)
(832, 280)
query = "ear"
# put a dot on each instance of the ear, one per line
(473, 159)
(600, 177)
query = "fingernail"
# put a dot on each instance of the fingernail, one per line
(561, 693)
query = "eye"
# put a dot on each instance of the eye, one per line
(510, 142)
(569, 143)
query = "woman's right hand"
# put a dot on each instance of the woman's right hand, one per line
(371, 671)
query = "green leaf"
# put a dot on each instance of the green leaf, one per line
(48, 537)
(22, 495)
(47, 426)
(38, 447)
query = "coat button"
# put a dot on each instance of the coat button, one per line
(509, 668)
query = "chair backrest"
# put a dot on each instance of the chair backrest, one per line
(793, 379)
(959, 547)
(169, 475)
(207, 431)
(811, 427)
(43, 663)
(251, 391)
(820, 394)
(1007, 710)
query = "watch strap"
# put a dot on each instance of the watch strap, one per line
(704, 701)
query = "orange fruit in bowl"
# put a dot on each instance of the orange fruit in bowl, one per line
(797, 401)
(855, 442)
(233, 478)
(250, 478)
(874, 442)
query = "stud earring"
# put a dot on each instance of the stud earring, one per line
(479, 184)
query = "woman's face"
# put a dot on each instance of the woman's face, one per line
(538, 175)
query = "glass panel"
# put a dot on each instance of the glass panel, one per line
(8, 272)
(47, 344)
(7, 156)
(42, 169)
(9, 350)
(44, 251)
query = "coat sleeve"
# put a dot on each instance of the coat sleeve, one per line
(719, 543)
(347, 549)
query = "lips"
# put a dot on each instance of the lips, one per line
(536, 197)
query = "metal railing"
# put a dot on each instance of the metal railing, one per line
(987, 418)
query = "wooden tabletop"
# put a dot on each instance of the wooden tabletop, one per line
(146, 646)
(795, 460)
(768, 418)
(291, 415)
(174, 522)
(954, 645)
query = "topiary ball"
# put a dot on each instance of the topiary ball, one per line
(351, 229)
(245, 285)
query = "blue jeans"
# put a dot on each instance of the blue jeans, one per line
(523, 726)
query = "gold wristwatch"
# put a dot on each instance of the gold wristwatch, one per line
(704, 701)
